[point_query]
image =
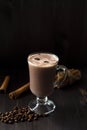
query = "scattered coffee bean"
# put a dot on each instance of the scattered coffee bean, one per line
(0, 113)
(15, 121)
(5, 121)
(10, 121)
(29, 120)
(2, 120)
(18, 114)
(6, 113)
(15, 108)
(22, 119)
(35, 118)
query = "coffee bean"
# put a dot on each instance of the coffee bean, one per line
(29, 120)
(10, 121)
(22, 119)
(5, 121)
(9, 115)
(16, 121)
(35, 118)
(10, 112)
(30, 116)
(15, 108)
(2, 120)
(22, 110)
(6, 113)
(15, 111)
(0, 113)
(12, 118)
(36, 115)
(19, 114)
(5, 117)
(19, 110)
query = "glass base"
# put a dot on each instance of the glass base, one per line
(42, 106)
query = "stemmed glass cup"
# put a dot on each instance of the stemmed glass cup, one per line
(42, 71)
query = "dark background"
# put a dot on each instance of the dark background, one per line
(58, 26)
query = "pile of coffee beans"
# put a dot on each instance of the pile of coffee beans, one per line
(18, 114)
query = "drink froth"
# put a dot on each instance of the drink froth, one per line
(43, 59)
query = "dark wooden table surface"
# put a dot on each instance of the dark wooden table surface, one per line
(70, 113)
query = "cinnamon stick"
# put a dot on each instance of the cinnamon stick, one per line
(5, 84)
(16, 93)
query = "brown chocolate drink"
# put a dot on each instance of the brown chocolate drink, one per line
(42, 70)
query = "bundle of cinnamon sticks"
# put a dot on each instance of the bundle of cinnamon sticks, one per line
(72, 76)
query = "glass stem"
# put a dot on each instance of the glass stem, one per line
(42, 100)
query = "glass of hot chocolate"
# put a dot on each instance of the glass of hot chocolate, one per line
(42, 72)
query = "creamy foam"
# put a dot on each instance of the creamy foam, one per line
(43, 59)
